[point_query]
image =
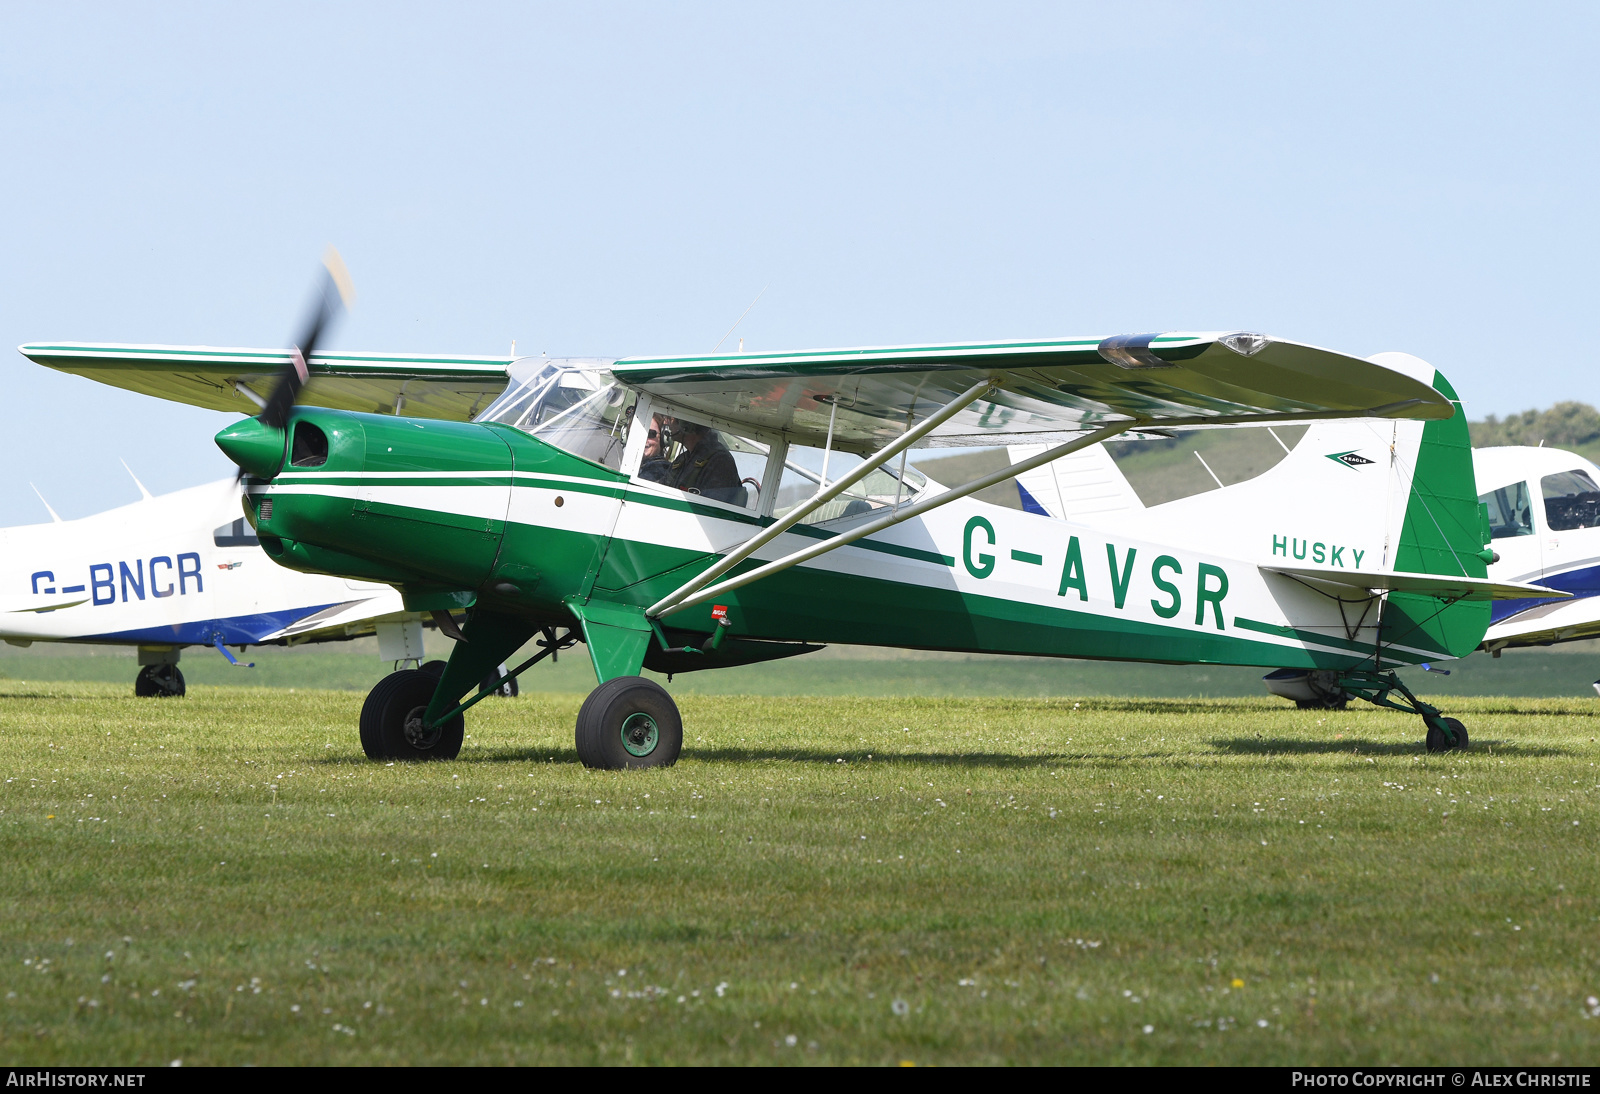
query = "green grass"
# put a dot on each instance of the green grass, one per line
(1563, 671)
(1026, 880)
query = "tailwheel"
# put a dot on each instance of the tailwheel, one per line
(629, 722)
(1440, 732)
(159, 682)
(392, 726)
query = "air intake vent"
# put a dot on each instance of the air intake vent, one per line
(264, 513)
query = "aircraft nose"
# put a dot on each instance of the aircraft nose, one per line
(255, 446)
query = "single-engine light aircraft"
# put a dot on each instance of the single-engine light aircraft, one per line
(685, 513)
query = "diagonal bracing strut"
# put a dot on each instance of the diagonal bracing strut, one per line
(679, 602)
(822, 497)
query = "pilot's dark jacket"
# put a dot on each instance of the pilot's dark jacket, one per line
(708, 470)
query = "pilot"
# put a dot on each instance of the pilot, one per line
(656, 467)
(705, 466)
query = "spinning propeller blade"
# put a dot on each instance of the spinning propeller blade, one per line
(256, 444)
(334, 294)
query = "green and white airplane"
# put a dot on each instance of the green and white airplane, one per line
(685, 513)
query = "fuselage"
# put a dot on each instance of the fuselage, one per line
(459, 514)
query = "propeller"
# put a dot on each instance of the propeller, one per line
(257, 444)
(335, 292)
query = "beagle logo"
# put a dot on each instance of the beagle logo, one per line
(1349, 459)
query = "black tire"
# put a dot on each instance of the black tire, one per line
(629, 722)
(507, 690)
(1439, 741)
(159, 682)
(396, 700)
(434, 667)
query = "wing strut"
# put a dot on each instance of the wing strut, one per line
(822, 497)
(688, 599)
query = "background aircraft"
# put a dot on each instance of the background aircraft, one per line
(183, 569)
(1544, 517)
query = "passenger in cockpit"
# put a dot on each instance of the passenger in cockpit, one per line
(705, 466)
(656, 467)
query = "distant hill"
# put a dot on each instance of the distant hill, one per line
(1569, 425)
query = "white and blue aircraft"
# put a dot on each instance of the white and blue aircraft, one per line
(1544, 517)
(182, 569)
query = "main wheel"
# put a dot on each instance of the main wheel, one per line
(391, 720)
(1439, 741)
(507, 690)
(629, 722)
(159, 682)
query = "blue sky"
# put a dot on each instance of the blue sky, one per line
(625, 178)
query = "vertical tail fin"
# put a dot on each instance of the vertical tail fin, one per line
(1444, 531)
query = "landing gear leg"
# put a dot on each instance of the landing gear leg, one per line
(500, 683)
(1380, 689)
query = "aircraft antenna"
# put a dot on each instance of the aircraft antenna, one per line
(147, 496)
(742, 314)
(53, 514)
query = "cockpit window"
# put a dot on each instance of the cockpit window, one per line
(1509, 511)
(1571, 500)
(807, 470)
(572, 403)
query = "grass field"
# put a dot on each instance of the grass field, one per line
(1564, 671)
(223, 879)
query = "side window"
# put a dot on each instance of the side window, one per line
(699, 459)
(237, 534)
(803, 477)
(1571, 500)
(1510, 514)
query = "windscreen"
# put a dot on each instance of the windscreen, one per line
(573, 403)
(1571, 500)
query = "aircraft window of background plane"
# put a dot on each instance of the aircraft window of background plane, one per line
(802, 474)
(237, 534)
(1510, 512)
(575, 405)
(1571, 500)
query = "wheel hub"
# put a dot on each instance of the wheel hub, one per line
(418, 735)
(639, 734)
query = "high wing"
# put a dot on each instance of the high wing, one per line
(420, 385)
(1044, 390)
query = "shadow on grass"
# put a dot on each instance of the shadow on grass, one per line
(810, 756)
(1259, 746)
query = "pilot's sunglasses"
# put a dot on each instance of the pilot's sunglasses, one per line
(654, 434)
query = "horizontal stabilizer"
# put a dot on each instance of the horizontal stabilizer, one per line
(1445, 588)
